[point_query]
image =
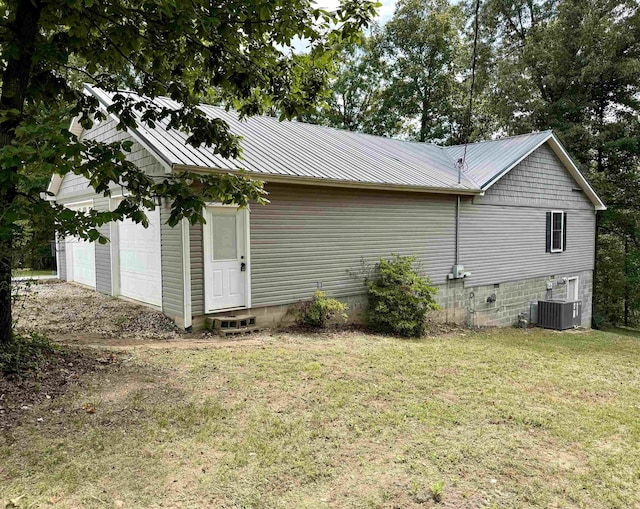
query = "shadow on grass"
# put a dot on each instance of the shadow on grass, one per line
(622, 331)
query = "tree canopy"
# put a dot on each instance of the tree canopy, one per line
(402, 79)
(236, 51)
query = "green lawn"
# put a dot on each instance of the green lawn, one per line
(31, 273)
(497, 419)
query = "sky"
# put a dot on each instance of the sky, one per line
(385, 12)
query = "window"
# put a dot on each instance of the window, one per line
(556, 231)
(223, 229)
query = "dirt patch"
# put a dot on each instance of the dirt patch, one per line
(59, 309)
(63, 369)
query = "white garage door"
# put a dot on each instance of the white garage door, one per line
(81, 261)
(140, 270)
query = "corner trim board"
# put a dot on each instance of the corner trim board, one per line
(247, 254)
(186, 272)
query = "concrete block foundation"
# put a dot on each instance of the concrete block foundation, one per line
(495, 305)
(463, 303)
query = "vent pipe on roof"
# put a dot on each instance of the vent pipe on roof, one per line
(460, 166)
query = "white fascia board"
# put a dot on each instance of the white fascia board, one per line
(56, 180)
(566, 160)
(54, 186)
(78, 130)
(75, 127)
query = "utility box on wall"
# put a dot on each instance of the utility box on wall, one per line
(559, 314)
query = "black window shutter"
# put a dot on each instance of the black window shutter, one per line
(548, 232)
(564, 232)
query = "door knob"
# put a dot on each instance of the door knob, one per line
(243, 267)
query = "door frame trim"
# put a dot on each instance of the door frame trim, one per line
(577, 280)
(246, 214)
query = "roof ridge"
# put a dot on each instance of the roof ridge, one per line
(329, 127)
(533, 133)
(344, 130)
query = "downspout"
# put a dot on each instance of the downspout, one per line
(457, 260)
(594, 277)
(458, 231)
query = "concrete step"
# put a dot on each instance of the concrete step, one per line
(238, 332)
(221, 323)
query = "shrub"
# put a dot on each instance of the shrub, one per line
(320, 310)
(24, 354)
(399, 298)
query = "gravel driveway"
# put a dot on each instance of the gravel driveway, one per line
(70, 312)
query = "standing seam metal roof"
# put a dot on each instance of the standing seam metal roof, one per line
(487, 159)
(297, 149)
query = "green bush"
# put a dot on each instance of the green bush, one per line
(320, 310)
(24, 354)
(399, 298)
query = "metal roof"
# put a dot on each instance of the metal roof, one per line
(298, 150)
(486, 160)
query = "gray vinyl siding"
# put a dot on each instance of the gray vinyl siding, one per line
(500, 244)
(172, 270)
(197, 270)
(76, 187)
(103, 252)
(317, 236)
(540, 180)
(311, 236)
(503, 234)
(62, 257)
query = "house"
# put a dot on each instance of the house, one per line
(515, 224)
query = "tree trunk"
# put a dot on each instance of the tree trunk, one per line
(626, 281)
(15, 81)
(6, 321)
(424, 119)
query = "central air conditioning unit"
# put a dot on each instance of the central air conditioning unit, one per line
(559, 314)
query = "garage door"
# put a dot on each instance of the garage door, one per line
(140, 270)
(81, 261)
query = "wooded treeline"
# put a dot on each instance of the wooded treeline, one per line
(568, 65)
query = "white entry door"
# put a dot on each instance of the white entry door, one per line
(140, 262)
(81, 261)
(225, 258)
(572, 289)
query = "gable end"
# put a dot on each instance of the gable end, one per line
(544, 174)
(540, 180)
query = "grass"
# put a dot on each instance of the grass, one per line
(490, 419)
(31, 273)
